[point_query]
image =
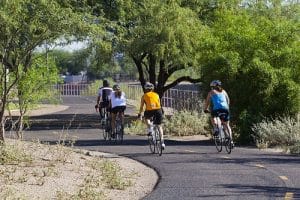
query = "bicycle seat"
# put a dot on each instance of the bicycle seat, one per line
(222, 116)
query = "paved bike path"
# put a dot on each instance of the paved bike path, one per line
(193, 169)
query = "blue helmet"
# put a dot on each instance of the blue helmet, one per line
(215, 83)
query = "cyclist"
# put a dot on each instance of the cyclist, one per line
(103, 97)
(153, 109)
(220, 104)
(117, 105)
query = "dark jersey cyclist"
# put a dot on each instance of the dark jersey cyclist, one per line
(153, 109)
(103, 97)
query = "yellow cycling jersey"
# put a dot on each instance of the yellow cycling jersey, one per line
(152, 101)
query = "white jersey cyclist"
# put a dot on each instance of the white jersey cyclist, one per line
(117, 100)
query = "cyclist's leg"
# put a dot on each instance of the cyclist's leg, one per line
(227, 126)
(148, 115)
(113, 120)
(214, 122)
(123, 108)
(158, 120)
(101, 110)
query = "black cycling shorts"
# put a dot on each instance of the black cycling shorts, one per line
(222, 113)
(156, 114)
(104, 104)
(117, 109)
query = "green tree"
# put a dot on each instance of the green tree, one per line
(161, 37)
(257, 58)
(34, 86)
(27, 24)
(70, 62)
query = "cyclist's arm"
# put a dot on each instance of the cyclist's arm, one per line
(99, 96)
(227, 97)
(142, 105)
(98, 100)
(207, 101)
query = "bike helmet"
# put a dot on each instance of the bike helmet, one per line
(215, 83)
(116, 87)
(149, 86)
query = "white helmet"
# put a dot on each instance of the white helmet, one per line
(149, 86)
(215, 83)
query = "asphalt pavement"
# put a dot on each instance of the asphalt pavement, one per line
(187, 169)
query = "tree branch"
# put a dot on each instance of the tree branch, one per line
(181, 79)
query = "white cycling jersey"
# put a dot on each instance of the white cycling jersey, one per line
(115, 101)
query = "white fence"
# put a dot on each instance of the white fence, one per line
(173, 98)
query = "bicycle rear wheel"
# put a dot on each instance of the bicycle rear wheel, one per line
(227, 142)
(218, 143)
(119, 131)
(151, 141)
(158, 143)
(105, 135)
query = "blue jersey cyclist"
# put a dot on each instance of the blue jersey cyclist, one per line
(219, 99)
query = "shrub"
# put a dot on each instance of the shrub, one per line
(184, 123)
(283, 131)
(136, 127)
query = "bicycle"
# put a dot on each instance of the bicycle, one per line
(154, 139)
(223, 137)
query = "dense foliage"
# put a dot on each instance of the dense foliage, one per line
(257, 58)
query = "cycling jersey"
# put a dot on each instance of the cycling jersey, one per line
(219, 101)
(115, 101)
(152, 101)
(104, 93)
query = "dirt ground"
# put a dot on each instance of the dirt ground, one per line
(59, 172)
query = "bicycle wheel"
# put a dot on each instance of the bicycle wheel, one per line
(119, 131)
(105, 135)
(151, 141)
(218, 143)
(108, 129)
(227, 142)
(158, 143)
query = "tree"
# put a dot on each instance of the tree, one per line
(70, 62)
(27, 24)
(257, 58)
(34, 86)
(162, 38)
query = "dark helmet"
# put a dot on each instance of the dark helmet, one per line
(149, 86)
(215, 83)
(116, 87)
(105, 83)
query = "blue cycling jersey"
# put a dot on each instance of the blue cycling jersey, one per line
(219, 101)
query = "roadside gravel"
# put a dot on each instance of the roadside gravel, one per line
(60, 172)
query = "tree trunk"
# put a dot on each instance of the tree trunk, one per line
(2, 129)
(20, 127)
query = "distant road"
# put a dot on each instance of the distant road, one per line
(192, 169)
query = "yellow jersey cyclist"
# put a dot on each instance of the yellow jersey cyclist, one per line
(219, 99)
(151, 100)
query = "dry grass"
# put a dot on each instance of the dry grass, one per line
(31, 170)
